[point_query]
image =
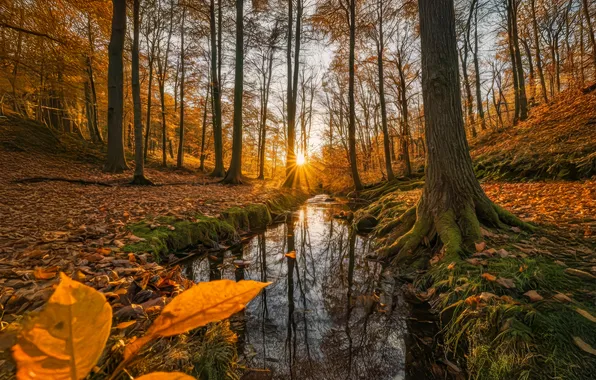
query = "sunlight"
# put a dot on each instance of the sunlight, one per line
(300, 159)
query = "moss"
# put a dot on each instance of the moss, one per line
(164, 235)
(167, 234)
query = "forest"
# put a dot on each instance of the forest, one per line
(297, 189)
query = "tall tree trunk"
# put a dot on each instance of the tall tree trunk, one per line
(351, 100)
(204, 124)
(538, 54)
(467, 85)
(479, 107)
(116, 162)
(265, 109)
(139, 175)
(163, 71)
(521, 85)
(180, 161)
(405, 115)
(591, 36)
(149, 99)
(380, 51)
(234, 174)
(292, 91)
(452, 202)
(218, 170)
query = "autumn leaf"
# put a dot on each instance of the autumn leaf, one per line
(489, 277)
(45, 273)
(123, 325)
(67, 338)
(583, 345)
(291, 255)
(203, 303)
(166, 376)
(586, 314)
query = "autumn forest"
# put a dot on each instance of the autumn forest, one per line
(297, 189)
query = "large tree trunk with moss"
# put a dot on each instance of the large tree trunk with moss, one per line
(453, 204)
(139, 175)
(234, 174)
(116, 162)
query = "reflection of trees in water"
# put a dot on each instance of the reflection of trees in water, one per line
(318, 319)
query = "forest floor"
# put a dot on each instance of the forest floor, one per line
(61, 213)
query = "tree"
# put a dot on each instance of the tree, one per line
(380, 49)
(292, 90)
(116, 162)
(216, 47)
(234, 174)
(139, 175)
(180, 161)
(521, 102)
(352, 106)
(452, 204)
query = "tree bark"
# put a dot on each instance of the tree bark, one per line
(352, 104)
(405, 115)
(180, 161)
(116, 162)
(234, 174)
(586, 10)
(204, 125)
(538, 54)
(380, 67)
(139, 174)
(218, 170)
(452, 204)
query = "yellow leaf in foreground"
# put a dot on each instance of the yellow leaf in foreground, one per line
(166, 376)
(583, 345)
(203, 303)
(67, 338)
(489, 277)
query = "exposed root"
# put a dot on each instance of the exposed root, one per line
(457, 228)
(141, 180)
(60, 179)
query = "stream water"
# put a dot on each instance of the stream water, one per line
(328, 314)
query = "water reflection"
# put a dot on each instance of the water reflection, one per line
(321, 318)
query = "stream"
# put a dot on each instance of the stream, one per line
(328, 314)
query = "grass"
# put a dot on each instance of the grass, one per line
(506, 336)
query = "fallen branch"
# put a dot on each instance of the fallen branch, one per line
(60, 179)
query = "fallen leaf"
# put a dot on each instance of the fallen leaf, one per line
(503, 253)
(203, 303)
(580, 273)
(476, 262)
(586, 314)
(480, 246)
(67, 338)
(291, 255)
(45, 273)
(506, 282)
(132, 258)
(489, 277)
(123, 325)
(451, 266)
(562, 297)
(487, 296)
(583, 345)
(533, 296)
(166, 376)
(104, 251)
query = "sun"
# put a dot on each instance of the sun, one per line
(300, 159)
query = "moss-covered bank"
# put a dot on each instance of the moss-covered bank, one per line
(163, 235)
(520, 307)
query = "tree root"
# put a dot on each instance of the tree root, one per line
(456, 228)
(141, 180)
(61, 179)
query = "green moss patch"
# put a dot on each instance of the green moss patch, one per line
(164, 235)
(167, 234)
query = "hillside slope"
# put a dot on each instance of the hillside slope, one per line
(558, 141)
